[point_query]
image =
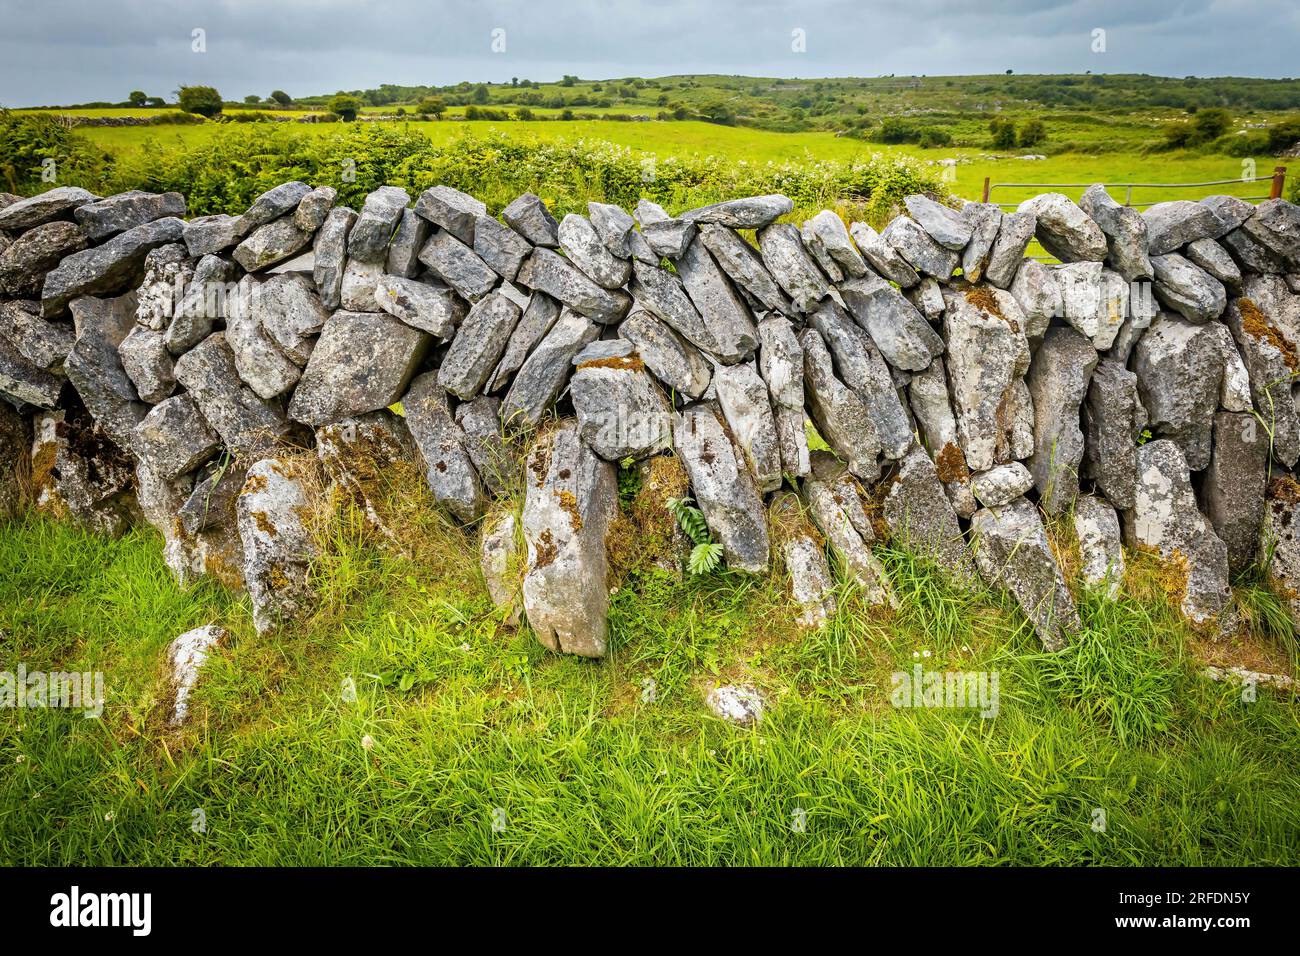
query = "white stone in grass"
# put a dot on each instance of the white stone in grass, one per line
(187, 654)
(738, 704)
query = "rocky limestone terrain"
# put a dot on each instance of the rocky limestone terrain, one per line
(176, 372)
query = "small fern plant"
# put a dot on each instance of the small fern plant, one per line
(706, 554)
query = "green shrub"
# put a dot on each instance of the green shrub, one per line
(203, 100)
(1003, 132)
(226, 173)
(29, 141)
(1032, 132)
(931, 138)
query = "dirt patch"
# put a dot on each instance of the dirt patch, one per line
(615, 361)
(984, 299)
(950, 464)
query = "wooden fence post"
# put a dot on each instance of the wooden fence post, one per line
(986, 190)
(1279, 180)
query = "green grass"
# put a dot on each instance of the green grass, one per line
(689, 139)
(469, 717)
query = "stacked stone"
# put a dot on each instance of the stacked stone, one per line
(161, 368)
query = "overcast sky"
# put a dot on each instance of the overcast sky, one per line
(66, 51)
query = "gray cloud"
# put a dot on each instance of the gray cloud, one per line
(60, 51)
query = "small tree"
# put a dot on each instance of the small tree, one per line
(155, 101)
(1032, 132)
(281, 97)
(1003, 132)
(1210, 124)
(252, 99)
(347, 107)
(202, 100)
(480, 94)
(432, 106)
(137, 98)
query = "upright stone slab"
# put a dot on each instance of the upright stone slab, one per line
(1233, 486)
(1058, 380)
(442, 444)
(278, 545)
(570, 499)
(920, 518)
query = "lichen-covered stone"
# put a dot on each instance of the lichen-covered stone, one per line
(1058, 380)
(278, 546)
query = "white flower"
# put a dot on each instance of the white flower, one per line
(368, 742)
(925, 653)
(916, 655)
(20, 758)
(108, 817)
(464, 646)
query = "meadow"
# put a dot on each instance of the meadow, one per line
(405, 723)
(705, 141)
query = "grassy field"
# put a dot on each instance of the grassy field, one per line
(699, 139)
(466, 743)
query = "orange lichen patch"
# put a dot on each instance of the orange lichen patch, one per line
(615, 361)
(546, 549)
(263, 523)
(950, 463)
(1284, 488)
(983, 298)
(1256, 324)
(254, 484)
(1151, 575)
(569, 505)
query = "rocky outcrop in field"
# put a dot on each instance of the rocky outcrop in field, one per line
(175, 371)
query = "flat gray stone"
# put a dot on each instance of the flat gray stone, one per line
(984, 220)
(662, 294)
(1008, 252)
(916, 246)
(882, 256)
(546, 271)
(529, 217)
(208, 235)
(478, 346)
(247, 424)
(449, 469)
(148, 364)
(1126, 233)
(269, 244)
(1065, 230)
(1234, 483)
(174, 439)
(1172, 225)
(362, 363)
(272, 204)
(539, 315)
(452, 210)
(943, 224)
(331, 252)
(725, 314)
(753, 212)
(544, 373)
(500, 247)
(106, 269)
(742, 263)
(1100, 546)
(1179, 369)
(583, 245)
(376, 223)
(107, 217)
(458, 265)
(902, 334)
(1058, 381)
(25, 261)
(1113, 421)
(668, 356)
(56, 203)
(1188, 289)
(788, 261)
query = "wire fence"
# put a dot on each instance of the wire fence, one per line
(1277, 179)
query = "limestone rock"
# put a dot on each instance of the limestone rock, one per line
(272, 204)
(290, 313)
(1064, 229)
(78, 474)
(1230, 211)
(662, 294)
(545, 271)
(1179, 370)
(901, 333)
(408, 241)
(984, 219)
(743, 398)
(448, 468)
(314, 208)
(835, 503)
(478, 346)
(501, 562)
(107, 217)
(860, 366)
(742, 706)
(944, 225)
(1126, 233)
(789, 263)
(544, 373)
(500, 247)
(1280, 540)
(723, 487)
(1171, 225)
(208, 235)
(724, 312)
(1164, 518)
(919, 517)
(1114, 419)
(841, 416)
(458, 265)
(108, 268)
(529, 217)
(247, 424)
(362, 362)
(380, 214)
(668, 355)
(882, 256)
(1233, 487)
(261, 364)
(1271, 364)
(331, 255)
(583, 245)
(94, 367)
(571, 498)
(538, 318)
(494, 458)
(1008, 253)
(1037, 290)
(41, 342)
(812, 588)
(916, 246)
(1101, 556)
(1058, 380)
(1013, 552)
(986, 354)
(56, 203)
(277, 544)
(25, 262)
(621, 411)
(753, 212)
(453, 210)
(1214, 259)
(174, 439)
(1002, 484)
(187, 654)
(430, 308)
(1276, 226)
(1187, 288)
(148, 364)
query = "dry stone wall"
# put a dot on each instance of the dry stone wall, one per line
(173, 371)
